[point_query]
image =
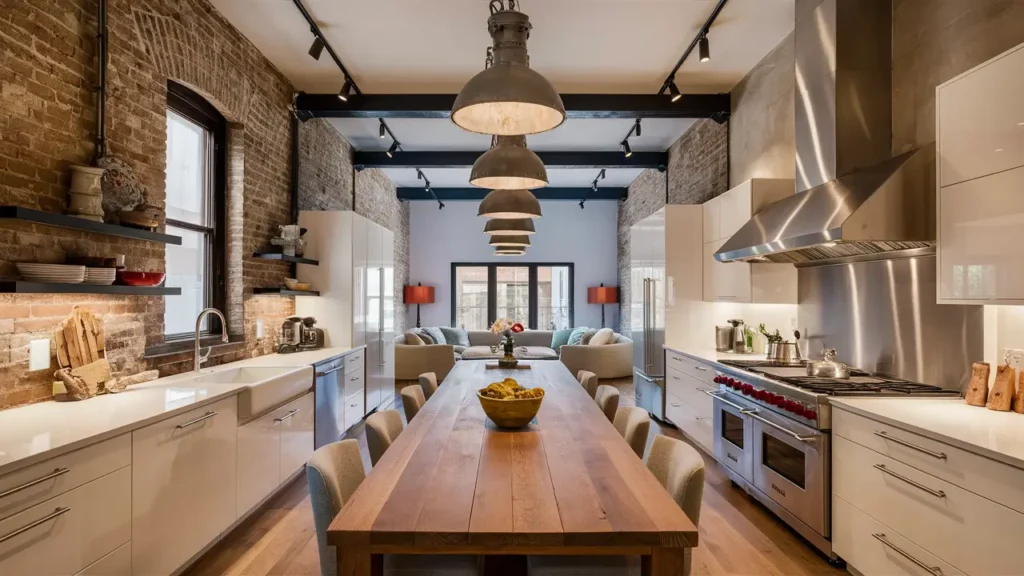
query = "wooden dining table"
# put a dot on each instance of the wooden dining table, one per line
(566, 484)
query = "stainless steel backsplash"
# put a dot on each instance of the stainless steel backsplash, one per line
(882, 316)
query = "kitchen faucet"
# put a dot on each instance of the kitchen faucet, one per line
(199, 359)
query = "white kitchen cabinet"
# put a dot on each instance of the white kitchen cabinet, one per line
(117, 563)
(740, 281)
(296, 429)
(980, 120)
(69, 532)
(183, 486)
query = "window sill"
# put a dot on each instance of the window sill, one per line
(188, 345)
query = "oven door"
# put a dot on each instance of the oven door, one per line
(791, 466)
(733, 436)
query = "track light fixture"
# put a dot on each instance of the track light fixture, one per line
(636, 128)
(699, 41)
(626, 149)
(673, 91)
(346, 90)
(593, 186)
(317, 48)
(383, 128)
(394, 148)
(705, 47)
(426, 186)
(624, 145)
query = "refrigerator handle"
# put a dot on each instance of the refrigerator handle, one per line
(650, 325)
(380, 326)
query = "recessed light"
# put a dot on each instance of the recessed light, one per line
(999, 149)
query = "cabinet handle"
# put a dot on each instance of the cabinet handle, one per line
(701, 368)
(914, 483)
(675, 377)
(801, 437)
(206, 416)
(930, 569)
(287, 416)
(331, 371)
(677, 358)
(933, 454)
(31, 483)
(354, 378)
(58, 512)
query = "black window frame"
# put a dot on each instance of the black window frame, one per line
(492, 288)
(189, 104)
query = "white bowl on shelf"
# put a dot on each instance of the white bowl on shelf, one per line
(100, 276)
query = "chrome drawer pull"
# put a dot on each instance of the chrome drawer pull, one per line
(915, 484)
(701, 368)
(933, 454)
(718, 397)
(287, 416)
(31, 483)
(931, 569)
(206, 416)
(27, 527)
(331, 371)
(354, 378)
(801, 437)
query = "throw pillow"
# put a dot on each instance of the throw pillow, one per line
(436, 335)
(423, 336)
(587, 336)
(455, 336)
(560, 338)
(577, 336)
(413, 339)
(603, 336)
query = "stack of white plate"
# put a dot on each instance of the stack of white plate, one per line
(57, 273)
(102, 276)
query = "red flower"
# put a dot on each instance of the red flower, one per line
(517, 328)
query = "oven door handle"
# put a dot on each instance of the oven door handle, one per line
(808, 438)
(723, 400)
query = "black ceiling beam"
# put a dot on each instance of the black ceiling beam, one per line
(550, 193)
(413, 159)
(629, 106)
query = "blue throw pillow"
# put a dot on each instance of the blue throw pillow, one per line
(436, 335)
(576, 338)
(455, 336)
(560, 338)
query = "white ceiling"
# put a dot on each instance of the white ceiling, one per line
(557, 177)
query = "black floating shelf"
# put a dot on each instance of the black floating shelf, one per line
(286, 258)
(285, 292)
(76, 223)
(24, 287)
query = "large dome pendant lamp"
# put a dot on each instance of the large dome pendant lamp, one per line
(509, 227)
(509, 204)
(509, 165)
(501, 242)
(508, 98)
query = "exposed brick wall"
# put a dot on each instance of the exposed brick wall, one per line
(47, 123)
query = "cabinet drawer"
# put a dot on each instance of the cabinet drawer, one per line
(29, 486)
(259, 461)
(873, 548)
(688, 389)
(354, 384)
(964, 529)
(117, 563)
(686, 418)
(74, 529)
(354, 409)
(354, 362)
(993, 480)
(701, 371)
(296, 430)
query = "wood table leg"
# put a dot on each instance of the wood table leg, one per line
(505, 565)
(665, 562)
(359, 563)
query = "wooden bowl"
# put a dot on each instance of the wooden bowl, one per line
(293, 284)
(510, 413)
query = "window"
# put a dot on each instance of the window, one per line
(538, 295)
(196, 156)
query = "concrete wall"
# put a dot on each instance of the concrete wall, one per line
(564, 234)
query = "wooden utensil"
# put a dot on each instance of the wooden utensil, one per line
(977, 390)
(1018, 397)
(80, 339)
(1001, 395)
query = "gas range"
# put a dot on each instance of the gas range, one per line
(786, 388)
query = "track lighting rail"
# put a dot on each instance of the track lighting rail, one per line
(565, 194)
(318, 35)
(702, 34)
(428, 188)
(462, 159)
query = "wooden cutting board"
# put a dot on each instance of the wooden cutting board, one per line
(80, 339)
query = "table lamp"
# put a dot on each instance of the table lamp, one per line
(603, 295)
(419, 294)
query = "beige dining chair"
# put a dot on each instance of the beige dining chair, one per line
(633, 424)
(428, 382)
(412, 401)
(607, 399)
(333, 474)
(589, 381)
(679, 468)
(382, 428)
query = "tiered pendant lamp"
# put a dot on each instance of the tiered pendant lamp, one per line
(509, 204)
(509, 252)
(509, 165)
(508, 98)
(510, 227)
(502, 242)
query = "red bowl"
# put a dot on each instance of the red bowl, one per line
(139, 278)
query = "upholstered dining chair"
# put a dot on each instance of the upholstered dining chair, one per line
(679, 468)
(589, 381)
(607, 399)
(428, 382)
(333, 474)
(412, 401)
(382, 428)
(633, 424)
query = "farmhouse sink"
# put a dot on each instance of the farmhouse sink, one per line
(268, 386)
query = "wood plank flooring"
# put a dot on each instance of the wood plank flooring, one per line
(738, 536)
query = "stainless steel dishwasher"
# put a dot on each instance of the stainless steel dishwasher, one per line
(330, 401)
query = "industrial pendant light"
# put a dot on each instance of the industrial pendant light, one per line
(510, 241)
(508, 165)
(508, 204)
(509, 252)
(516, 227)
(508, 98)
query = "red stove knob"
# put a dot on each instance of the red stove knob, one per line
(790, 406)
(810, 414)
(799, 411)
(780, 401)
(762, 395)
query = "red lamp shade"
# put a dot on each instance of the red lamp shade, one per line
(419, 294)
(603, 295)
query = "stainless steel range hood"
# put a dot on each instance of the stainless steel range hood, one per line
(853, 198)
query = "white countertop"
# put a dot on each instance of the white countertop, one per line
(305, 358)
(997, 435)
(712, 355)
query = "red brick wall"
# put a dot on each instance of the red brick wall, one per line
(47, 123)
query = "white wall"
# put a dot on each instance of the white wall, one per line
(1004, 328)
(587, 238)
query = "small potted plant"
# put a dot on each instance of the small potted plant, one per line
(507, 327)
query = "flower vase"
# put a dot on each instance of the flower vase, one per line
(509, 360)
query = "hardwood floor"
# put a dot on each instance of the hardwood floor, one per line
(738, 536)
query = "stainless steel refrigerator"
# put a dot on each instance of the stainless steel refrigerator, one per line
(647, 311)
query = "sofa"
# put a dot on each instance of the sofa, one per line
(613, 360)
